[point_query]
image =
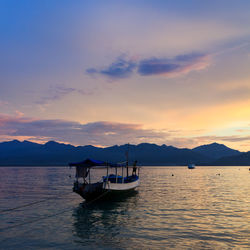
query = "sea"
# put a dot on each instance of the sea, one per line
(173, 208)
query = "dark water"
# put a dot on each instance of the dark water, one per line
(173, 208)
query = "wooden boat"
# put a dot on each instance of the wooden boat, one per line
(110, 185)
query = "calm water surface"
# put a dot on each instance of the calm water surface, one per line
(204, 208)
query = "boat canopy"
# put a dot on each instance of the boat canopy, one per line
(88, 163)
(82, 167)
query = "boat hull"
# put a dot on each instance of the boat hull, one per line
(105, 190)
(121, 186)
(191, 166)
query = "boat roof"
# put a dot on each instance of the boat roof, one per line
(88, 163)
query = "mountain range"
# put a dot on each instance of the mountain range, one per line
(26, 153)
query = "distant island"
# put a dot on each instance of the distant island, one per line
(26, 153)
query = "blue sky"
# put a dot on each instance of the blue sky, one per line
(112, 72)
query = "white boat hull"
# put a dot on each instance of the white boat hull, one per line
(121, 186)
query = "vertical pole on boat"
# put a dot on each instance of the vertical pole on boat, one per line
(107, 178)
(89, 175)
(127, 159)
(116, 174)
(76, 175)
(107, 171)
(122, 174)
(127, 169)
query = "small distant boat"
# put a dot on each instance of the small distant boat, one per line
(110, 185)
(191, 166)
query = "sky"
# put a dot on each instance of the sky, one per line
(114, 72)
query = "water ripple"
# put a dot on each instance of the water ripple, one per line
(174, 208)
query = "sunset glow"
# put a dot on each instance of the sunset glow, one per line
(113, 72)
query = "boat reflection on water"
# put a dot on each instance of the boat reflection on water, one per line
(101, 224)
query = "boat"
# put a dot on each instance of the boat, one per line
(109, 186)
(191, 166)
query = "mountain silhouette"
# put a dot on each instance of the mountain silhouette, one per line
(216, 150)
(16, 153)
(242, 159)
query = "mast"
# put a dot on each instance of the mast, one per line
(127, 159)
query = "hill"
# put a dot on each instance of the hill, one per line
(216, 150)
(16, 153)
(242, 159)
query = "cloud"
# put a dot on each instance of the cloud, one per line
(120, 68)
(171, 67)
(156, 66)
(57, 92)
(96, 133)
(229, 138)
(102, 133)
(3, 103)
(104, 127)
(168, 67)
(6, 120)
(243, 130)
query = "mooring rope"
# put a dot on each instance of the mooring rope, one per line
(97, 198)
(9, 210)
(35, 220)
(25, 205)
(48, 216)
